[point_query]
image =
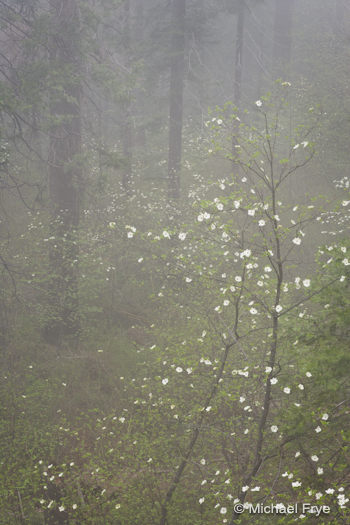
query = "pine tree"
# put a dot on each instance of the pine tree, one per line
(64, 164)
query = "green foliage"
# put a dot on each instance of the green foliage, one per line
(159, 358)
(177, 319)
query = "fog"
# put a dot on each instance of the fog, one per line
(174, 262)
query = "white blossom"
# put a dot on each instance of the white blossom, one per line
(245, 253)
(278, 308)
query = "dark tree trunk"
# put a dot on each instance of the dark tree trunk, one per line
(64, 167)
(140, 139)
(282, 48)
(127, 124)
(177, 75)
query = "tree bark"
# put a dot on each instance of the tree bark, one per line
(140, 139)
(64, 167)
(260, 45)
(177, 74)
(127, 124)
(238, 76)
(237, 91)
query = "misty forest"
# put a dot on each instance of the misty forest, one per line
(174, 262)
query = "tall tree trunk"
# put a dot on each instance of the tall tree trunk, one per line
(127, 124)
(140, 139)
(282, 48)
(237, 90)
(177, 75)
(64, 167)
(238, 75)
(259, 54)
